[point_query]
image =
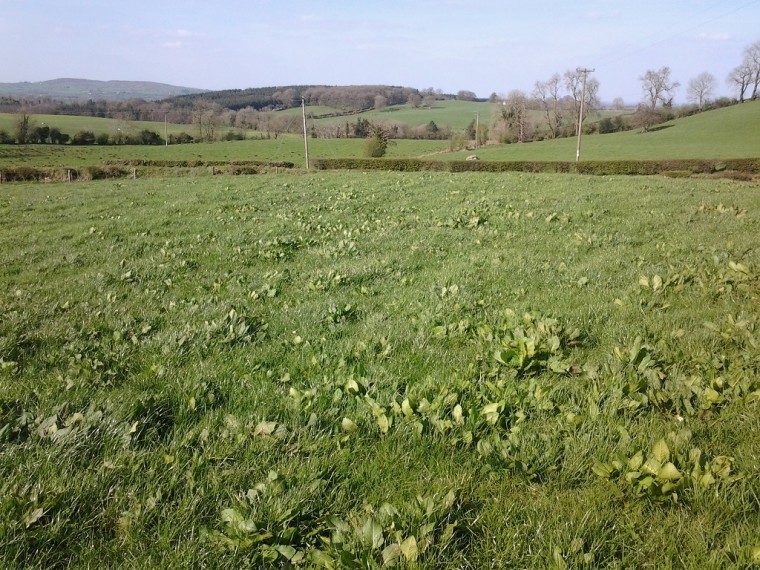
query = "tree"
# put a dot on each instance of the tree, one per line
(574, 86)
(740, 78)
(206, 118)
(465, 95)
(414, 99)
(547, 93)
(83, 137)
(22, 130)
(700, 88)
(432, 130)
(377, 143)
(362, 128)
(39, 135)
(513, 113)
(657, 86)
(752, 59)
(618, 104)
(747, 75)
(381, 101)
(646, 117)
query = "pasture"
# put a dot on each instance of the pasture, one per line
(356, 370)
(730, 132)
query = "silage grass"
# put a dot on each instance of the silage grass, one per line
(116, 301)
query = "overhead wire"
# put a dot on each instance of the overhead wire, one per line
(620, 57)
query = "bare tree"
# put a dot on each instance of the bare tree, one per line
(740, 78)
(547, 93)
(657, 86)
(380, 102)
(574, 86)
(514, 118)
(206, 118)
(618, 104)
(700, 88)
(752, 60)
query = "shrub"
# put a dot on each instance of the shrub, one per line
(376, 144)
(83, 138)
(181, 138)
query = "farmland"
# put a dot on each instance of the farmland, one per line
(356, 369)
(720, 134)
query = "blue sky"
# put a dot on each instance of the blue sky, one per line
(485, 46)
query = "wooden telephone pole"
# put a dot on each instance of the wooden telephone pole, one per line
(305, 135)
(585, 73)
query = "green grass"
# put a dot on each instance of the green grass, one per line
(231, 372)
(285, 148)
(731, 132)
(70, 124)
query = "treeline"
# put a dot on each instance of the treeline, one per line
(349, 98)
(26, 133)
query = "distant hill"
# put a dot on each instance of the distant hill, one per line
(345, 98)
(86, 89)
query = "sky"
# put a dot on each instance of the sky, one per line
(485, 46)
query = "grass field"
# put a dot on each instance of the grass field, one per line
(732, 132)
(72, 124)
(285, 148)
(349, 370)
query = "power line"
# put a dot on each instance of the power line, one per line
(618, 58)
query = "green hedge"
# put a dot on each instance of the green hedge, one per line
(199, 163)
(598, 168)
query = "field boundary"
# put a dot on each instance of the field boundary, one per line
(740, 168)
(599, 168)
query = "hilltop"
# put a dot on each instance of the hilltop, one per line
(67, 89)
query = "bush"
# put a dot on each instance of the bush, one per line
(83, 138)
(181, 138)
(234, 136)
(376, 144)
(102, 139)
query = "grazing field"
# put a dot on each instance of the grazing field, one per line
(285, 148)
(730, 132)
(70, 124)
(346, 370)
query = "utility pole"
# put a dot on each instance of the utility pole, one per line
(166, 137)
(585, 72)
(477, 128)
(305, 136)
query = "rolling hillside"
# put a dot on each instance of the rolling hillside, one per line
(730, 132)
(86, 89)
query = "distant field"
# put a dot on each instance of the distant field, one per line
(286, 148)
(71, 124)
(731, 132)
(353, 370)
